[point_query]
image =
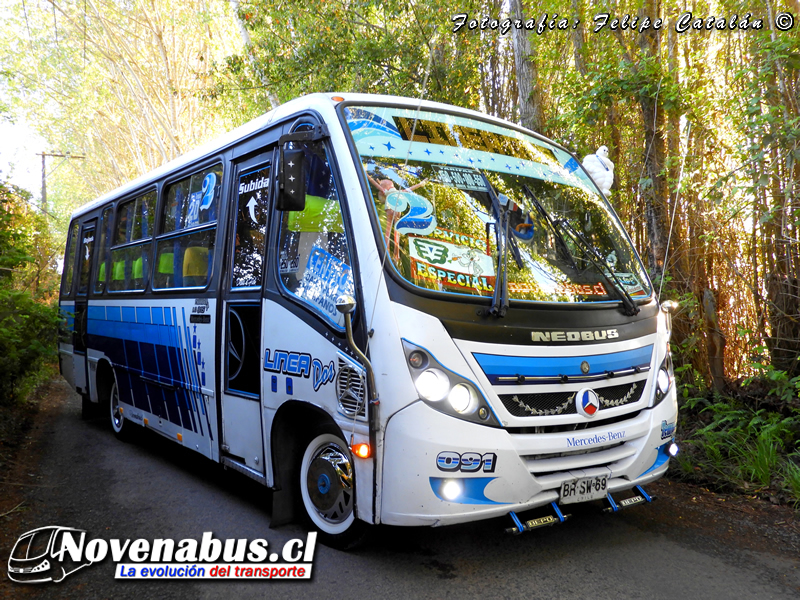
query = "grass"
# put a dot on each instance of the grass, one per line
(732, 446)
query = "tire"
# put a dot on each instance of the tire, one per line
(328, 490)
(119, 425)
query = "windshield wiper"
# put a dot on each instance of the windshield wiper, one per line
(546, 216)
(596, 258)
(500, 297)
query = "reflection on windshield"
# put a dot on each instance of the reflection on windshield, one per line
(439, 223)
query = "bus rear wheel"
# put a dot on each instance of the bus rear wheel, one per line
(328, 489)
(119, 425)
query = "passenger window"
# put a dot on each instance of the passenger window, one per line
(130, 256)
(314, 258)
(251, 227)
(104, 251)
(69, 266)
(192, 201)
(185, 259)
(135, 219)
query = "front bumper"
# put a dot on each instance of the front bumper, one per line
(500, 471)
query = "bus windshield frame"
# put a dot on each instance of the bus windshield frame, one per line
(449, 201)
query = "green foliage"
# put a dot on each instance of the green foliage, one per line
(28, 331)
(28, 327)
(740, 447)
(792, 478)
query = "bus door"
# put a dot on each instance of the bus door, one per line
(85, 256)
(242, 433)
(306, 356)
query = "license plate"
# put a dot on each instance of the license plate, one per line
(584, 489)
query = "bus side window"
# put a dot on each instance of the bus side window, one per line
(314, 257)
(104, 251)
(69, 257)
(185, 258)
(130, 256)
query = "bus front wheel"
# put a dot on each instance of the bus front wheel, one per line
(328, 489)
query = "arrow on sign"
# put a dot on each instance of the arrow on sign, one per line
(252, 206)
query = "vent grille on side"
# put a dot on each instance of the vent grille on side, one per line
(350, 391)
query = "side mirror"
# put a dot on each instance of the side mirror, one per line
(292, 180)
(345, 304)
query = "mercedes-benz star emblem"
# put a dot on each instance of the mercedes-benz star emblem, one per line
(587, 403)
(585, 367)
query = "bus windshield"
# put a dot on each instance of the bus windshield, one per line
(447, 190)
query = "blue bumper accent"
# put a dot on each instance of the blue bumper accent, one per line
(472, 489)
(661, 459)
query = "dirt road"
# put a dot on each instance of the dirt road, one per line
(688, 544)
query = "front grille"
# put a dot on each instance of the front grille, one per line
(563, 403)
(570, 427)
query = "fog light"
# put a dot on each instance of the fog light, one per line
(433, 384)
(451, 490)
(673, 449)
(483, 413)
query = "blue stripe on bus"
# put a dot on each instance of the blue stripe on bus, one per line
(97, 312)
(148, 341)
(495, 366)
(143, 314)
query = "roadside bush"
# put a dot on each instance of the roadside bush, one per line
(28, 336)
(731, 445)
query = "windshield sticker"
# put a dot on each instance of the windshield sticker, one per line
(460, 238)
(324, 280)
(459, 259)
(420, 219)
(364, 123)
(450, 277)
(464, 179)
(578, 289)
(631, 283)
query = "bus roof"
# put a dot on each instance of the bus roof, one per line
(322, 102)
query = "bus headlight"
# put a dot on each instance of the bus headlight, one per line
(461, 398)
(664, 380)
(433, 384)
(436, 383)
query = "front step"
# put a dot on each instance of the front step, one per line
(641, 498)
(532, 524)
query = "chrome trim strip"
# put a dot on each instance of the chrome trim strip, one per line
(573, 378)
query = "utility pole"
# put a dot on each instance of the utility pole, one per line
(44, 156)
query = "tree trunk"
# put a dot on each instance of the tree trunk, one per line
(716, 340)
(531, 111)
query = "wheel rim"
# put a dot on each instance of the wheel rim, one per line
(328, 485)
(116, 413)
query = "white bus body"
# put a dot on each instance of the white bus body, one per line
(517, 356)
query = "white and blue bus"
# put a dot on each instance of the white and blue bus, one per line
(386, 310)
